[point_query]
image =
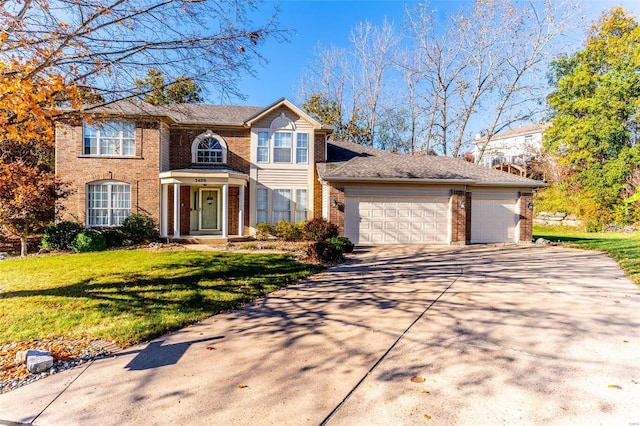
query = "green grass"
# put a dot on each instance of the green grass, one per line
(624, 248)
(130, 296)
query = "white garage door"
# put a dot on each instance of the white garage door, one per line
(397, 220)
(494, 221)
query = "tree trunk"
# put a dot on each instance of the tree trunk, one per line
(23, 246)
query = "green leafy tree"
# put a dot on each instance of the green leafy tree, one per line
(329, 112)
(596, 118)
(157, 91)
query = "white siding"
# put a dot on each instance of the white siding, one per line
(282, 178)
(164, 148)
(325, 202)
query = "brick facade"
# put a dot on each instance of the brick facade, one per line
(238, 147)
(460, 217)
(526, 216)
(336, 213)
(140, 172)
(319, 153)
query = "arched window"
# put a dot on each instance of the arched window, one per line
(209, 148)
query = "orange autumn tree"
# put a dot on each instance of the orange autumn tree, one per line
(27, 194)
(29, 103)
(56, 53)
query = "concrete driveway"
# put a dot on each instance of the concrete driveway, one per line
(402, 335)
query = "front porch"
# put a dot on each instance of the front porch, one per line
(203, 204)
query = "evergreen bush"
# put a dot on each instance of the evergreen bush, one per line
(89, 240)
(59, 236)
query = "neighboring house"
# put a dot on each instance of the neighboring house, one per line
(513, 150)
(215, 171)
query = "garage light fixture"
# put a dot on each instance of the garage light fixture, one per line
(334, 203)
(530, 205)
(462, 205)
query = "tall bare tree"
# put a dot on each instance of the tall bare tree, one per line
(105, 45)
(485, 62)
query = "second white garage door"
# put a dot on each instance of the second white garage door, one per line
(494, 221)
(397, 220)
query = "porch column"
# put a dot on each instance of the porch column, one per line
(176, 210)
(241, 212)
(164, 211)
(225, 210)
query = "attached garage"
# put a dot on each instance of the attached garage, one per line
(378, 198)
(494, 220)
(397, 220)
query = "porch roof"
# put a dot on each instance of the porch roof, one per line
(204, 177)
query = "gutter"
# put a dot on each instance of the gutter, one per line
(470, 182)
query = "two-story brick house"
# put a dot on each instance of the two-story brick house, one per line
(216, 171)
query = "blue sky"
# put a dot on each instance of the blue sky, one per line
(330, 22)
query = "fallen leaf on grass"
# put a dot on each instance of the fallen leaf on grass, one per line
(425, 391)
(242, 386)
(625, 341)
(211, 348)
(416, 379)
(615, 387)
(428, 417)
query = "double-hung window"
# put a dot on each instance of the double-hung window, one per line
(263, 147)
(301, 205)
(281, 205)
(117, 138)
(262, 205)
(108, 203)
(302, 148)
(282, 147)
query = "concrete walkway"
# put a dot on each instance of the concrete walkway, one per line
(403, 335)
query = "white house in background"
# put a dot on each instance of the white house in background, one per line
(511, 150)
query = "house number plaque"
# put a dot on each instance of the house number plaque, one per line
(200, 180)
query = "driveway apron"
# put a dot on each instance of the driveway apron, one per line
(402, 335)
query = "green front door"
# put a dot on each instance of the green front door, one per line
(209, 212)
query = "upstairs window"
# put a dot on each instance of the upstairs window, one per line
(263, 147)
(110, 138)
(282, 147)
(209, 148)
(302, 148)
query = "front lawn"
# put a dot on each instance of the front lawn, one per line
(624, 248)
(129, 296)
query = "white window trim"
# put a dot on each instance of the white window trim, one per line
(206, 135)
(99, 137)
(293, 205)
(306, 149)
(110, 184)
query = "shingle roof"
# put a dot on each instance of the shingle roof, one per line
(210, 114)
(371, 164)
(201, 114)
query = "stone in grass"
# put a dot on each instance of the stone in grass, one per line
(39, 363)
(36, 361)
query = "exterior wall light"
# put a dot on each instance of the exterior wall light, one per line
(334, 203)
(530, 205)
(462, 204)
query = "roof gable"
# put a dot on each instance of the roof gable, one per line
(283, 102)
